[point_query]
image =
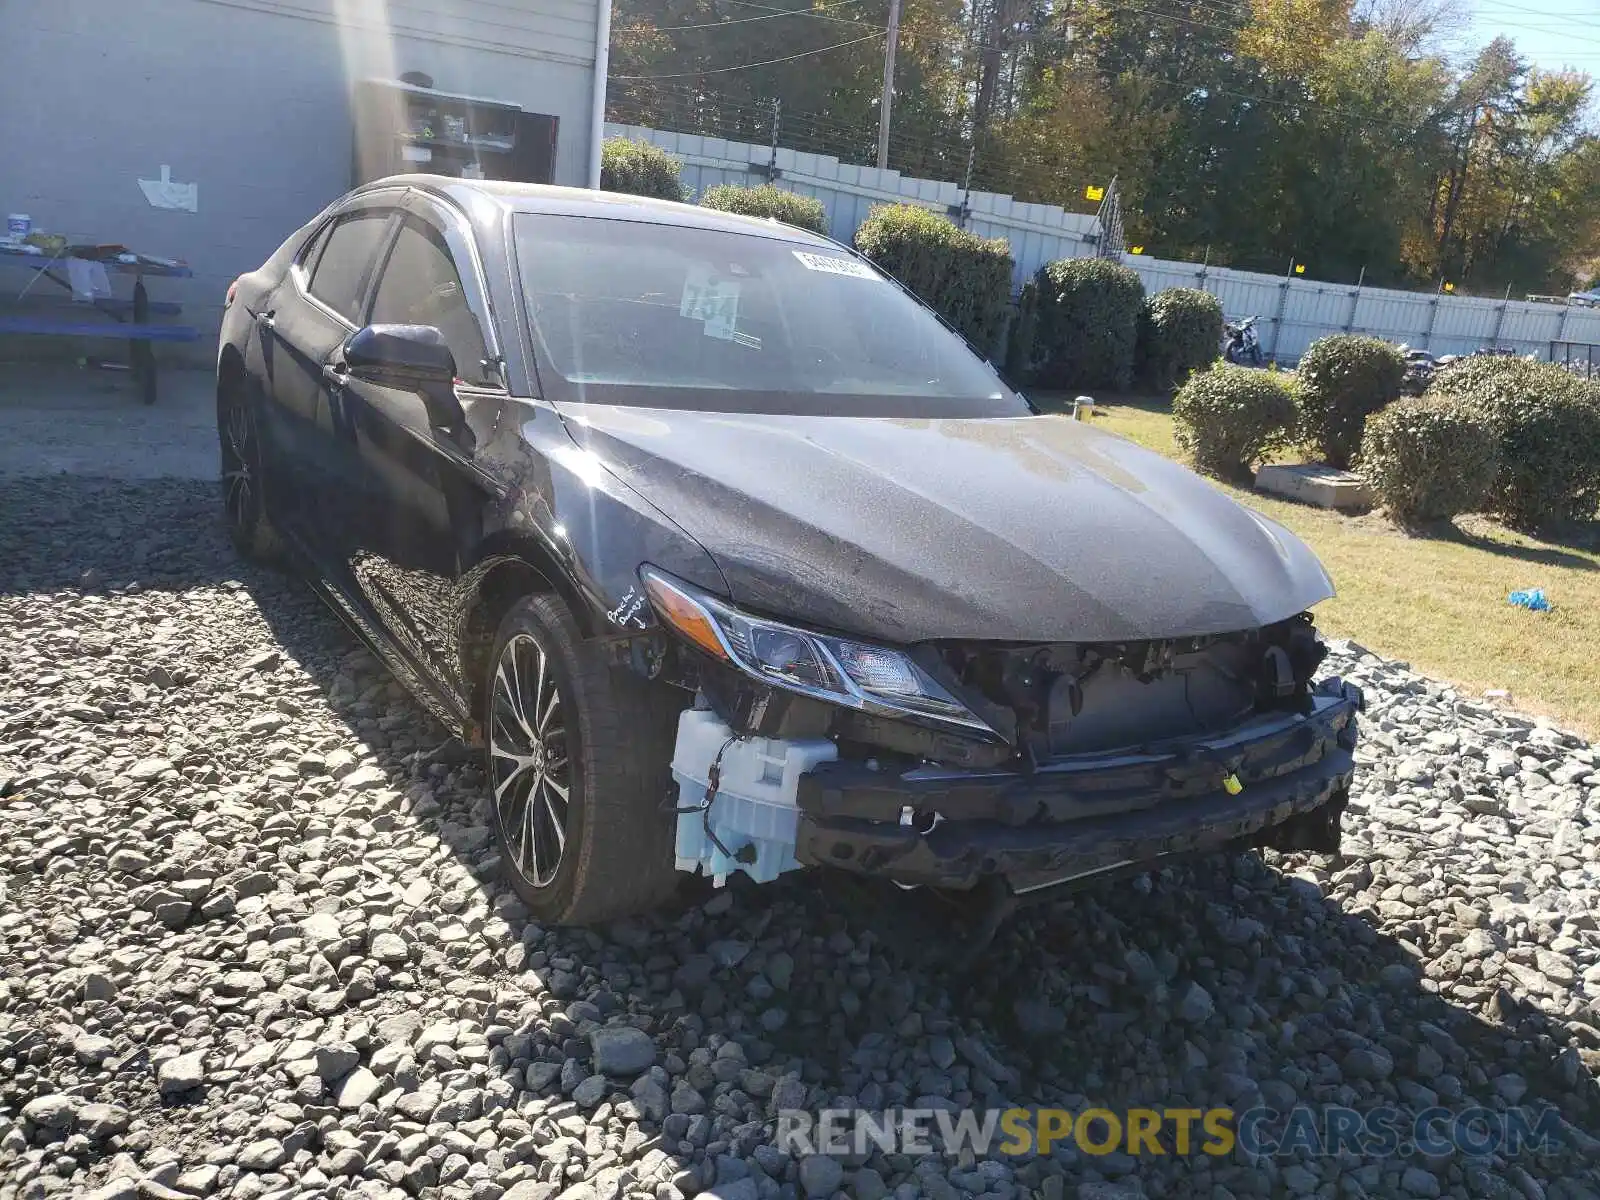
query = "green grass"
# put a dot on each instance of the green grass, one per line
(1439, 602)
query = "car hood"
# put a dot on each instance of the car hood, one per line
(904, 530)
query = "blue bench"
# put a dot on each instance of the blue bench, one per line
(123, 331)
(130, 319)
(122, 308)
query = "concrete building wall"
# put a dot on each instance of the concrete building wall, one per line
(249, 99)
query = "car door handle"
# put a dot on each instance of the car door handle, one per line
(265, 319)
(336, 374)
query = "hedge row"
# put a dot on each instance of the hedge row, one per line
(1546, 422)
(1429, 459)
(806, 212)
(1179, 332)
(1082, 323)
(1517, 439)
(1344, 379)
(1229, 418)
(639, 169)
(966, 279)
(1079, 325)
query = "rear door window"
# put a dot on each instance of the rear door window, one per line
(341, 271)
(421, 285)
(312, 248)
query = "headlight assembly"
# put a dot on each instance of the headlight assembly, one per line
(853, 674)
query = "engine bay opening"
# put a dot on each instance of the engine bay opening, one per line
(1073, 698)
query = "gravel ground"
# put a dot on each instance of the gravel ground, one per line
(252, 944)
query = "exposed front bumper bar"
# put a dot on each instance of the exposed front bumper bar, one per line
(1088, 814)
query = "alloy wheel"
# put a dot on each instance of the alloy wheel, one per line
(529, 759)
(238, 458)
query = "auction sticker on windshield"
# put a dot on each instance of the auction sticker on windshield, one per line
(835, 266)
(711, 300)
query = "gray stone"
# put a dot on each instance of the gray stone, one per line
(181, 1074)
(365, 779)
(147, 769)
(101, 1121)
(1301, 1181)
(321, 929)
(264, 1154)
(1038, 1018)
(173, 913)
(1367, 1062)
(868, 1184)
(129, 861)
(650, 1096)
(820, 1175)
(390, 948)
(622, 1051)
(335, 1060)
(1196, 1004)
(92, 1049)
(360, 1087)
(685, 1099)
(52, 1112)
(1418, 1182)
(256, 883)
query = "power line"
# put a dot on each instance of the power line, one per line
(749, 66)
(1571, 37)
(768, 16)
(818, 13)
(1192, 90)
(1542, 14)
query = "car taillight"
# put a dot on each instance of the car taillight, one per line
(232, 288)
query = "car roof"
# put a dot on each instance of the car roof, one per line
(584, 202)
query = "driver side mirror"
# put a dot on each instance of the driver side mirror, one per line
(400, 356)
(412, 358)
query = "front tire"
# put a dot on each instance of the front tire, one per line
(243, 501)
(577, 755)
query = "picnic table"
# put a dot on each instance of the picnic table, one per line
(130, 319)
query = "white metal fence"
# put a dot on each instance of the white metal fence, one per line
(1038, 233)
(1294, 311)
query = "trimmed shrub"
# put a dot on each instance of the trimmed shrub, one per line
(1427, 460)
(639, 169)
(1229, 418)
(1179, 332)
(1342, 379)
(1547, 421)
(966, 279)
(1086, 328)
(803, 211)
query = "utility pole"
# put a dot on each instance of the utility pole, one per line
(777, 121)
(888, 85)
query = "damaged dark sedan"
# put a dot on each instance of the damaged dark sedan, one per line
(731, 557)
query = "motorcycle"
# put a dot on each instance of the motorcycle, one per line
(1420, 369)
(1240, 343)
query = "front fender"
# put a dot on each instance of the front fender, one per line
(592, 529)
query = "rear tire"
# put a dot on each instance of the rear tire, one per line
(561, 717)
(243, 500)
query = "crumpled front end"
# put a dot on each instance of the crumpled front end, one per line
(1094, 757)
(1279, 779)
